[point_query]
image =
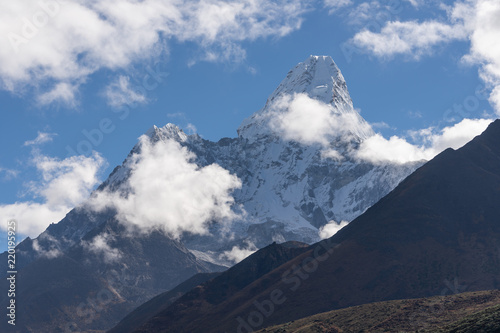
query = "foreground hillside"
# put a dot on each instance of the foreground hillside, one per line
(434, 314)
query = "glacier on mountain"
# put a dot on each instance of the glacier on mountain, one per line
(290, 188)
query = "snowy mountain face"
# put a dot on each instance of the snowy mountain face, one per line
(291, 170)
(289, 189)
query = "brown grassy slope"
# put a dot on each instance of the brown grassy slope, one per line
(433, 314)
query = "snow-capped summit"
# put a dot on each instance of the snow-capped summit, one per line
(169, 131)
(319, 79)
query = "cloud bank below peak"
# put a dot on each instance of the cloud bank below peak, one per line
(309, 121)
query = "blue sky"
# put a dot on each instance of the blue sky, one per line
(414, 69)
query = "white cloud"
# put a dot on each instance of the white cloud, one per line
(100, 246)
(416, 3)
(366, 13)
(32, 217)
(181, 117)
(415, 114)
(237, 254)
(120, 93)
(377, 149)
(409, 38)
(331, 153)
(67, 182)
(191, 129)
(330, 229)
(483, 21)
(62, 93)
(8, 173)
(57, 44)
(309, 121)
(380, 124)
(468, 20)
(41, 138)
(335, 5)
(64, 184)
(50, 249)
(166, 190)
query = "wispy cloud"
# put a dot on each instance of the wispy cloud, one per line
(335, 5)
(8, 174)
(100, 245)
(41, 138)
(416, 3)
(50, 248)
(62, 93)
(120, 93)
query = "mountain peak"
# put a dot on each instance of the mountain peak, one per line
(319, 78)
(169, 131)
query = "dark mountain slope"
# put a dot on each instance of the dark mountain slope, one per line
(231, 282)
(95, 283)
(441, 224)
(147, 310)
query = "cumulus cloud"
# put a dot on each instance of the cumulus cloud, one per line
(306, 120)
(64, 184)
(309, 121)
(482, 19)
(100, 246)
(331, 228)
(378, 149)
(167, 190)
(475, 21)
(56, 45)
(40, 139)
(411, 38)
(120, 93)
(237, 254)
